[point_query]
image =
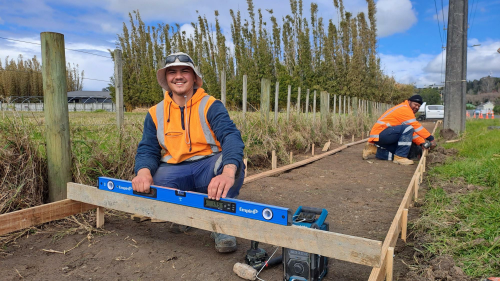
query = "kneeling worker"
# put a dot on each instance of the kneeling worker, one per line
(189, 142)
(395, 131)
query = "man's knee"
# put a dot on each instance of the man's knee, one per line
(408, 130)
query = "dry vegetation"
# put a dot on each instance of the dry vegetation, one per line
(99, 150)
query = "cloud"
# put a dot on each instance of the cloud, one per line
(1, 21)
(394, 16)
(427, 69)
(95, 67)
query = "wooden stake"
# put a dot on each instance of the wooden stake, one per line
(341, 139)
(291, 157)
(273, 161)
(404, 224)
(362, 135)
(326, 146)
(245, 161)
(390, 263)
(312, 149)
(99, 217)
(416, 187)
(352, 138)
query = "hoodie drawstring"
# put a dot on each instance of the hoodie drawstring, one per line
(189, 125)
(169, 105)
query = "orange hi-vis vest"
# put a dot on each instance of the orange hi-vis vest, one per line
(185, 136)
(401, 114)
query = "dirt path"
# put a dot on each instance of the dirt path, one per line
(361, 197)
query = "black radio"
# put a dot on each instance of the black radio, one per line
(302, 266)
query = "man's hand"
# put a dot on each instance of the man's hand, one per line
(142, 181)
(219, 186)
(433, 144)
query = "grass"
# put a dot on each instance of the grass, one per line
(466, 225)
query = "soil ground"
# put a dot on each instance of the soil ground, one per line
(361, 196)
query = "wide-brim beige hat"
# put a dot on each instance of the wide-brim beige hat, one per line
(161, 74)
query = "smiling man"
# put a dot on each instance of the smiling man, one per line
(397, 134)
(189, 142)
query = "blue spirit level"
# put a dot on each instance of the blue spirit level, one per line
(246, 209)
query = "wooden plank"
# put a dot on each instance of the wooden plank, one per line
(29, 217)
(300, 163)
(335, 245)
(378, 273)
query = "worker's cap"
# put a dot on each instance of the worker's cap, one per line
(416, 98)
(176, 59)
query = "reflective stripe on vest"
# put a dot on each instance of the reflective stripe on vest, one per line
(160, 130)
(409, 121)
(206, 131)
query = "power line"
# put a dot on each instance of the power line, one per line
(444, 24)
(97, 80)
(36, 43)
(34, 71)
(474, 15)
(437, 18)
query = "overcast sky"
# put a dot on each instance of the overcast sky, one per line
(410, 33)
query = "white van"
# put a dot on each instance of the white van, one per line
(435, 111)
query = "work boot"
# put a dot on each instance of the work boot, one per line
(370, 149)
(178, 228)
(224, 243)
(402, 161)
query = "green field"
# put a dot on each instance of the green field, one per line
(461, 213)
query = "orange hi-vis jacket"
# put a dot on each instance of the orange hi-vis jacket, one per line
(401, 114)
(184, 133)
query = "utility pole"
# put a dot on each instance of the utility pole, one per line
(456, 67)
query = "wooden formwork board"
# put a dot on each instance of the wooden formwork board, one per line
(21, 219)
(299, 163)
(335, 245)
(379, 273)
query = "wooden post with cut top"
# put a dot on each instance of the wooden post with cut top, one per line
(265, 99)
(117, 55)
(56, 114)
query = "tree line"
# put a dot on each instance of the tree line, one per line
(484, 85)
(311, 53)
(24, 78)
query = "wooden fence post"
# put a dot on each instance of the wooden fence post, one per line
(307, 102)
(265, 94)
(244, 99)
(288, 102)
(56, 114)
(355, 105)
(276, 96)
(314, 107)
(344, 105)
(119, 89)
(223, 87)
(298, 102)
(334, 104)
(324, 109)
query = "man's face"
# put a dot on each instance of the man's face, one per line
(414, 106)
(180, 79)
